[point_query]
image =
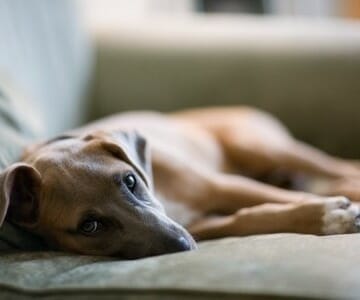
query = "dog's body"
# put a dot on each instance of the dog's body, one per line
(204, 165)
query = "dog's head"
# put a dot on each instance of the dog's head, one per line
(92, 195)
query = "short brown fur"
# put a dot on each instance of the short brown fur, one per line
(206, 159)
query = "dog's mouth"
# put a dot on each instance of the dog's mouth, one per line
(167, 245)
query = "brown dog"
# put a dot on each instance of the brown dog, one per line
(98, 191)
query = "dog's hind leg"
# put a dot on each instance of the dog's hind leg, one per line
(219, 193)
(334, 216)
(260, 143)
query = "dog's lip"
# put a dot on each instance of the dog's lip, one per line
(138, 252)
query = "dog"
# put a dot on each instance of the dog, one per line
(144, 183)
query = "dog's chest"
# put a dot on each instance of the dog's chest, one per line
(178, 211)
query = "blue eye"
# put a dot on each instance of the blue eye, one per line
(130, 182)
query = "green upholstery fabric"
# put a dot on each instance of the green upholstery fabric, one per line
(235, 268)
(18, 123)
(45, 53)
(305, 72)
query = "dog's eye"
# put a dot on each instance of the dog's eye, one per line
(130, 182)
(90, 226)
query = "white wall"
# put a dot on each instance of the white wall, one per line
(110, 11)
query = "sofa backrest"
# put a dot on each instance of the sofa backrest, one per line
(45, 54)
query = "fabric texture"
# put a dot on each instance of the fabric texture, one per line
(46, 53)
(17, 126)
(291, 265)
(306, 72)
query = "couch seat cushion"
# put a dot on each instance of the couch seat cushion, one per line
(236, 268)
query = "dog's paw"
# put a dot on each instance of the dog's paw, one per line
(340, 216)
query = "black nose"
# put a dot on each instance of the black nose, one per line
(183, 244)
(177, 244)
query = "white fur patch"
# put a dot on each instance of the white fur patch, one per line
(178, 211)
(340, 216)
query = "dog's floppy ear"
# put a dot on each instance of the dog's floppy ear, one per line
(19, 194)
(133, 148)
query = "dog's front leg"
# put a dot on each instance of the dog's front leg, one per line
(232, 192)
(334, 215)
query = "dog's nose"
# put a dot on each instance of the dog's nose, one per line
(183, 244)
(177, 245)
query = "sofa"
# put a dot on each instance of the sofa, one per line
(56, 74)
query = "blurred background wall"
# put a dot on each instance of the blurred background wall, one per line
(295, 8)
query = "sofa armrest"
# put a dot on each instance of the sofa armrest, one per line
(305, 72)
